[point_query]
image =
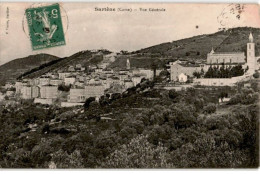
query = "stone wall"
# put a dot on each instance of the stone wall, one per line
(218, 81)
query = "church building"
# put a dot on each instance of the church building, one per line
(214, 59)
(234, 58)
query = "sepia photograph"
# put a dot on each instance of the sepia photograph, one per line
(98, 85)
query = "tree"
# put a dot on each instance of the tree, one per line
(209, 73)
(210, 108)
(64, 88)
(196, 74)
(61, 159)
(6, 97)
(256, 75)
(139, 153)
(173, 94)
(88, 101)
(222, 72)
(245, 96)
(202, 72)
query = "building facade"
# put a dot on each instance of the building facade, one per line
(178, 68)
(49, 92)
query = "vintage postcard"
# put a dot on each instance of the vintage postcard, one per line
(129, 85)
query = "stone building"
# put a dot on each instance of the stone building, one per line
(49, 91)
(56, 82)
(178, 68)
(77, 95)
(94, 91)
(18, 87)
(69, 80)
(30, 92)
(44, 81)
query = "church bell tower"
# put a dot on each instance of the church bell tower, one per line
(251, 60)
(128, 64)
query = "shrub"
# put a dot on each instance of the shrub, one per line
(88, 101)
(64, 88)
(139, 153)
(210, 108)
(256, 75)
(61, 159)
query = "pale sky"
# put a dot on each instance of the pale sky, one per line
(88, 29)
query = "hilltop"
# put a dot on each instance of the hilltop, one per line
(234, 39)
(192, 49)
(11, 70)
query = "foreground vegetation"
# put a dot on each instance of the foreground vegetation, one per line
(141, 128)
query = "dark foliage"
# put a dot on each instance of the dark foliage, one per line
(168, 127)
(222, 72)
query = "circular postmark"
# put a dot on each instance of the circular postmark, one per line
(231, 15)
(63, 13)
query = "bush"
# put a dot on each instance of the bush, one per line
(173, 94)
(245, 96)
(88, 101)
(64, 88)
(139, 153)
(210, 108)
(61, 159)
(256, 75)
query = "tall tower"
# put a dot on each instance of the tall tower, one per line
(127, 64)
(251, 60)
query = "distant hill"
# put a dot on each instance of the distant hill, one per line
(37, 65)
(85, 58)
(234, 39)
(193, 48)
(13, 69)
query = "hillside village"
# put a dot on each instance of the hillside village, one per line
(99, 109)
(72, 85)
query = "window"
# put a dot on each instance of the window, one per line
(223, 60)
(250, 46)
(230, 60)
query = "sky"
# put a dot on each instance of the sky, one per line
(87, 29)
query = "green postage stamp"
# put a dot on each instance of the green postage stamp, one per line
(45, 26)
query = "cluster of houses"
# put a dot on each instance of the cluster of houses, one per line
(49, 88)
